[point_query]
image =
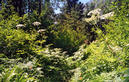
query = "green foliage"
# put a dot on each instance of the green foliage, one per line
(10, 22)
(12, 42)
(8, 76)
(48, 65)
(54, 65)
(6, 11)
(26, 43)
(15, 70)
(108, 56)
(67, 35)
(15, 41)
(43, 18)
(25, 57)
(68, 39)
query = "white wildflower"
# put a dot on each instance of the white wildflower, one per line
(90, 19)
(41, 30)
(93, 19)
(116, 48)
(64, 52)
(95, 12)
(39, 68)
(28, 64)
(94, 15)
(26, 75)
(47, 51)
(55, 22)
(36, 23)
(20, 25)
(95, 41)
(126, 75)
(97, 15)
(77, 73)
(105, 16)
(127, 45)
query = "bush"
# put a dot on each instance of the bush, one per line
(54, 65)
(66, 38)
(12, 43)
(108, 55)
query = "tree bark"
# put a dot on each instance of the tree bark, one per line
(40, 6)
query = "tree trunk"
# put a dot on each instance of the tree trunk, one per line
(40, 6)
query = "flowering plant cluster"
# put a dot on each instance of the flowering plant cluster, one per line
(96, 15)
(36, 23)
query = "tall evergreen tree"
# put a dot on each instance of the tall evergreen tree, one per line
(18, 5)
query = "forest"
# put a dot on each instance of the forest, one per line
(64, 41)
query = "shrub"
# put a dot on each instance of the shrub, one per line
(12, 42)
(54, 65)
(66, 38)
(109, 53)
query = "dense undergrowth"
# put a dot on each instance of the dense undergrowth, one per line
(47, 52)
